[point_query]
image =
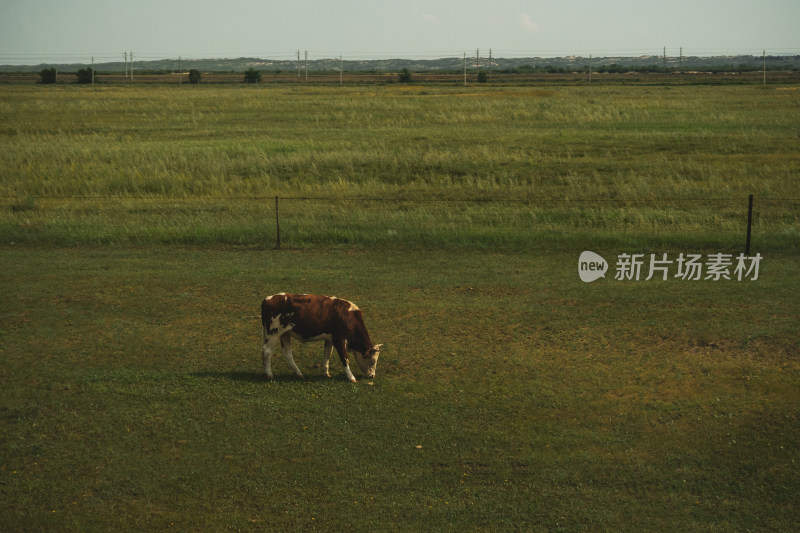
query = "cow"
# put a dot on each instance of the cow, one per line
(312, 317)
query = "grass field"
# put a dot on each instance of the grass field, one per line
(509, 395)
(135, 246)
(202, 165)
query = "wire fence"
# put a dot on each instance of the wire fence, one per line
(489, 198)
(298, 220)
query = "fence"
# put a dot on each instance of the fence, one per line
(464, 222)
(787, 209)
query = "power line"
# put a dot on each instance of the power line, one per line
(29, 59)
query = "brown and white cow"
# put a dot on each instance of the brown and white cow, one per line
(312, 317)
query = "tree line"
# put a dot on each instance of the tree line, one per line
(87, 75)
(251, 75)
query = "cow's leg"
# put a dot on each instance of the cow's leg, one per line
(267, 348)
(286, 344)
(341, 347)
(328, 350)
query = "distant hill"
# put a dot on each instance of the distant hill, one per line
(445, 64)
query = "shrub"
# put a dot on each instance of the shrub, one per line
(48, 75)
(85, 75)
(405, 76)
(194, 76)
(251, 75)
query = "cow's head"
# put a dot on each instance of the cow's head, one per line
(369, 361)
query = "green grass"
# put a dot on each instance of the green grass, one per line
(510, 395)
(202, 164)
(461, 224)
(563, 142)
(136, 227)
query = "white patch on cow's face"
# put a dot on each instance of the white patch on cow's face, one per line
(368, 364)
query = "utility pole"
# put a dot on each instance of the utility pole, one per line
(341, 71)
(298, 63)
(590, 68)
(465, 69)
(490, 64)
(131, 65)
(665, 60)
(306, 65)
(92, 70)
(680, 61)
(478, 61)
(180, 73)
(125, 56)
(765, 66)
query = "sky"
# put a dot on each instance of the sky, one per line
(41, 31)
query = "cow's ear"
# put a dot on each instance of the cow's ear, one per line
(377, 348)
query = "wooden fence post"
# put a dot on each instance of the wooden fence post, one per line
(277, 226)
(749, 223)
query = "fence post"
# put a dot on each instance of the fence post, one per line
(749, 223)
(278, 226)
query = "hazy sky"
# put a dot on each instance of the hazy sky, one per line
(35, 31)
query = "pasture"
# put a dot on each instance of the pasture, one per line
(394, 165)
(136, 234)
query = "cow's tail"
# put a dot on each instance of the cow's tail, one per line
(264, 310)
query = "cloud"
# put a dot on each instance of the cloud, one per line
(527, 23)
(431, 19)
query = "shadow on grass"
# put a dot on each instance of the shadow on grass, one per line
(260, 377)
